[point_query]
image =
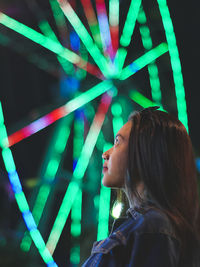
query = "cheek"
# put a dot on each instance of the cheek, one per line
(115, 175)
(119, 162)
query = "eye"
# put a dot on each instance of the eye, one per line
(116, 142)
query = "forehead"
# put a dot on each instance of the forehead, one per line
(126, 129)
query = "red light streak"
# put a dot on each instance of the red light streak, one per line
(114, 31)
(92, 20)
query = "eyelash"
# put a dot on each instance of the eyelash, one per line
(116, 141)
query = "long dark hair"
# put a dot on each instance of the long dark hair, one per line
(161, 158)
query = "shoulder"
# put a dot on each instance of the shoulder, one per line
(155, 222)
(141, 236)
(151, 223)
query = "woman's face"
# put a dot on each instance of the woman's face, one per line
(115, 165)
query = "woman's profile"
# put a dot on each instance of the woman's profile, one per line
(152, 161)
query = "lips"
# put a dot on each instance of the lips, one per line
(105, 168)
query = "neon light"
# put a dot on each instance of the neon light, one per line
(127, 32)
(130, 23)
(57, 148)
(58, 16)
(175, 62)
(144, 60)
(47, 30)
(152, 68)
(91, 17)
(76, 228)
(78, 173)
(116, 109)
(114, 22)
(104, 27)
(58, 113)
(44, 41)
(85, 37)
(105, 193)
(142, 100)
(104, 207)
(81, 73)
(76, 215)
(38, 38)
(21, 199)
(117, 120)
(76, 212)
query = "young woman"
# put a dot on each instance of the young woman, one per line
(153, 163)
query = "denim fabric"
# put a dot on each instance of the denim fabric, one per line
(145, 238)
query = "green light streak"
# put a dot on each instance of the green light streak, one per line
(130, 23)
(152, 68)
(117, 121)
(74, 186)
(52, 167)
(60, 22)
(76, 212)
(92, 21)
(58, 14)
(75, 255)
(57, 148)
(85, 37)
(40, 39)
(83, 99)
(144, 60)
(116, 109)
(175, 62)
(104, 210)
(63, 213)
(46, 29)
(9, 164)
(21, 199)
(88, 96)
(105, 193)
(104, 207)
(142, 100)
(114, 12)
(127, 32)
(119, 60)
(81, 73)
(76, 215)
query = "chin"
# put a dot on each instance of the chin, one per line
(108, 182)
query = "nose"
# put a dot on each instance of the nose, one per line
(105, 155)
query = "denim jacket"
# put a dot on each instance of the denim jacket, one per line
(145, 238)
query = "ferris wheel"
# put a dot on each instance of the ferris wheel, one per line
(110, 57)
